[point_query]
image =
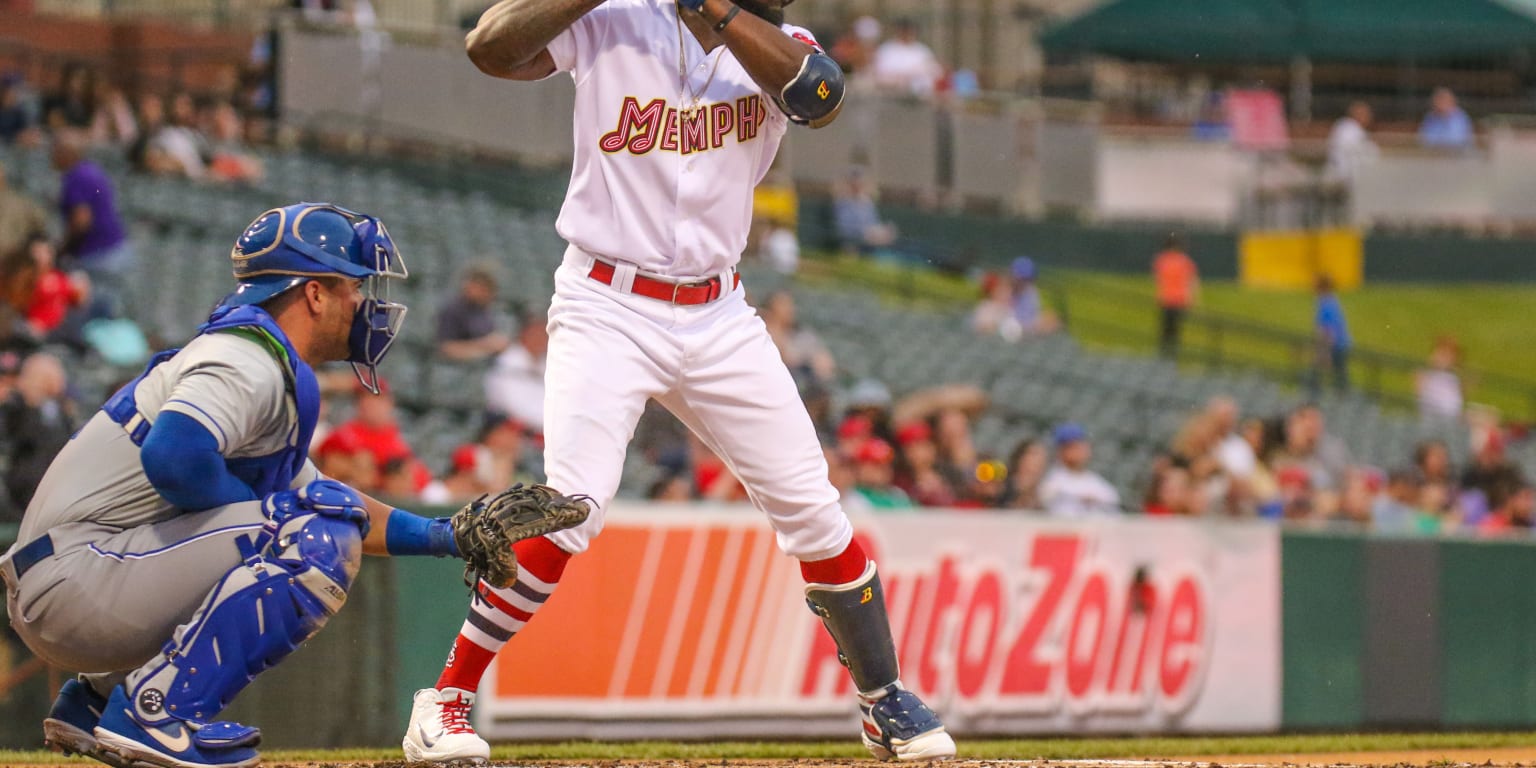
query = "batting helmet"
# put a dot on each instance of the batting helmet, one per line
(286, 247)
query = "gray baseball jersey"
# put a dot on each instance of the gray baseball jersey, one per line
(230, 385)
(128, 567)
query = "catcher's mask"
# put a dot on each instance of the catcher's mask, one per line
(289, 246)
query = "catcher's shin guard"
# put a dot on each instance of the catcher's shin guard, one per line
(255, 616)
(854, 614)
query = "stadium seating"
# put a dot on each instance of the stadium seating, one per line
(1131, 405)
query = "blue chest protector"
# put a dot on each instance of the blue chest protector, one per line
(264, 474)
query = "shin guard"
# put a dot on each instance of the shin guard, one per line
(255, 616)
(854, 614)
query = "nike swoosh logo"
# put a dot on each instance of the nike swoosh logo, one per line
(426, 741)
(181, 743)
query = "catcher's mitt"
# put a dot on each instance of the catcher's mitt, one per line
(486, 528)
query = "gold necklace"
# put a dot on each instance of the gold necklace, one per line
(687, 111)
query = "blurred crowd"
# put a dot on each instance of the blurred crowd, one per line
(62, 268)
(203, 136)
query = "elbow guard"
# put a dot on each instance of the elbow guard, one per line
(814, 93)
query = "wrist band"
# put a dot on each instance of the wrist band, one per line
(731, 14)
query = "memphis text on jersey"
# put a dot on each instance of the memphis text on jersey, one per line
(659, 126)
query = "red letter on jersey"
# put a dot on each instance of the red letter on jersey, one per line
(638, 128)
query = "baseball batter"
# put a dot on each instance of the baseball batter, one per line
(182, 542)
(680, 108)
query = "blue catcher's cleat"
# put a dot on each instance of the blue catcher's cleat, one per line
(899, 726)
(123, 738)
(69, 725)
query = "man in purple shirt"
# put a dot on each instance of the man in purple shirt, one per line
(95, 239)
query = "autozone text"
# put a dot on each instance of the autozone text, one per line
(1055, 629)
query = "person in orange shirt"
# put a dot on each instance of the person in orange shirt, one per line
(1178, 285)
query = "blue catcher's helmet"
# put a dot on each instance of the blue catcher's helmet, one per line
(286, 247)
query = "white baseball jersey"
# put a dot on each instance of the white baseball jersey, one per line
(665, 161)
(230, 385)
(1077, 493)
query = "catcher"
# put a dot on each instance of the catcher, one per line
(182, 542)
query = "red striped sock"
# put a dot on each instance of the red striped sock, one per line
(840, 569)
(496, 615)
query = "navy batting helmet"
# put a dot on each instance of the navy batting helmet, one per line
(286, 247)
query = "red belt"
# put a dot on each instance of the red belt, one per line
(701, 292)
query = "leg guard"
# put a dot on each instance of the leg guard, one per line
(854, 614)
(255, 616)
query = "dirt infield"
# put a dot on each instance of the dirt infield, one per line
(1523, 757)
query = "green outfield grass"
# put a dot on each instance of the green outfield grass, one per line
(1116, 312)
(1054, 749)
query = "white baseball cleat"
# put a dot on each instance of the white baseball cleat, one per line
(439, 731)
(899, 726)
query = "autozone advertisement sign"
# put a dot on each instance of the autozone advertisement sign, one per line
(693, 624)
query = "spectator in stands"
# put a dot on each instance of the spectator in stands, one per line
(1321, 455)
(958, 456)
(469, 327)
(1029, 310)
(1490, 469)
(72, 106)
(398, 479)
(1233, 453)
(1027, 465)
(854, 50)
(994, 315)
(1262, 485)
(1178, 286)
(461, 483)
(95, 238)
(1013, 307)
(1070, 489)
(860, 230)
(840, 475)
(36, 420)
(779, 247)
(178, 148)
(115, 125)
(1433, 460)
(1446, 126)
(21, 217)
(1511, 503)
(54, 295)
(670, 487)
(867, 412)
(917, 472)
(146, 153)
(500, 454)
(1193, 449)
(231, 159)
(18, 115)
(1332, 340)
(1349, 146)
(375, 426)
(1397, 510)
(1437, 387)
(514, 386)
(906, 65)
(343, 457)
(804, 354)
(1171, 493)
(874, 476)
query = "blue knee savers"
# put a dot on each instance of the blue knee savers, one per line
(254, 617)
